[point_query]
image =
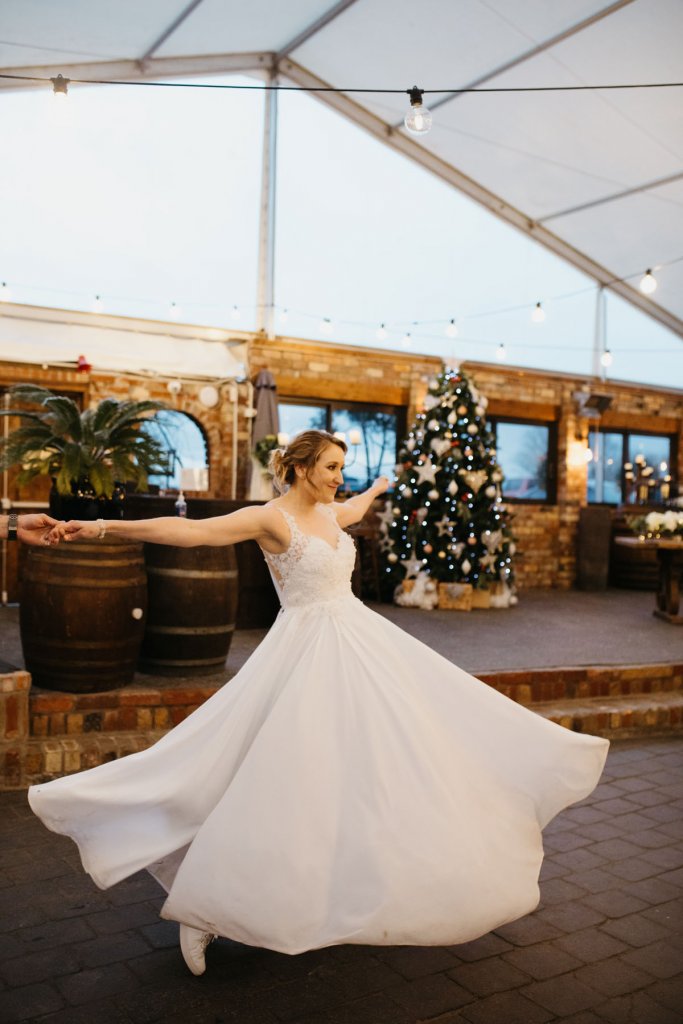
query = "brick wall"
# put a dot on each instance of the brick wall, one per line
(333, 372)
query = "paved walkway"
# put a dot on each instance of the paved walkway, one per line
(605, 944)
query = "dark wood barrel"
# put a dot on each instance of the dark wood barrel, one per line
(82, 612)
(193, 596)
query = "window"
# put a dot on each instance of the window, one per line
(185, 439)
(523, 452)
(612, 449)
(372, 433)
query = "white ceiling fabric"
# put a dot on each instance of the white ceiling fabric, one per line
(555, 164)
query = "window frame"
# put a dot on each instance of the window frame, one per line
(625, 433)
(551, 463)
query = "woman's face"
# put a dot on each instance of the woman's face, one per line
(325, 478)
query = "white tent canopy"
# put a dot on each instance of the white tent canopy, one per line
(596, 176)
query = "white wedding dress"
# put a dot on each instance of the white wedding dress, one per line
(348, 785)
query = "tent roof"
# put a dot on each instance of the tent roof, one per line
(595, 176)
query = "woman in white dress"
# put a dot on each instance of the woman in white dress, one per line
(348, 785)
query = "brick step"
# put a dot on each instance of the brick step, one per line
(529, 686)
(41, 760)
(653, 714)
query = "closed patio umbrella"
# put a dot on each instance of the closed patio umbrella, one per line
(266, 421)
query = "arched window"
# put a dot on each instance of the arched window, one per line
(186, 441)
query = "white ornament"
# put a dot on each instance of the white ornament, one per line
(426, 471)
(465, 566)
(440, 446)
(497, 476)
(411, 565)
(479, 409)
(490, 491)
(392, 557)
(475, 478)
(512, 548)
(410, 444)
(430, 402)
(452, 488)
(458, 548)
(433, 494)
(408, 492)
(452, 418)
(472, 429)
(433, 425)
(493, 541)
(444, 526)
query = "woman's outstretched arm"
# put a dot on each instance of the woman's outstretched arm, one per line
(353, 509)
(252, 523)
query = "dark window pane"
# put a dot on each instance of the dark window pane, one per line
(294, 417)
(376, 451)
(184, 439)
(523, 457)
(604, 471)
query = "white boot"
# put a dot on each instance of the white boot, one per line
(193, 943)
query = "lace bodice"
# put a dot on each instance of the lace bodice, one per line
(311, 570)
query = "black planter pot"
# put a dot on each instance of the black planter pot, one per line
(83, 504)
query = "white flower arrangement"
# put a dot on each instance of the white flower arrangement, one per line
(659, 524)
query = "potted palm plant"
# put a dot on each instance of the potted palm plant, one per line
(82, 604)
(89, 455)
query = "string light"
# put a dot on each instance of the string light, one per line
(648, 283)
(326, 325)
(5, 292)
(97, 305)
(418, 120)
(406, 340)
(500, 353)
(174, 311)
(235, 313)
(451, 329)
(60, 87)
(538, 314)
(284, 316)
(606, 358)
(381, 334)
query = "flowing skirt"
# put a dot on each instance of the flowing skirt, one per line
(348, 785)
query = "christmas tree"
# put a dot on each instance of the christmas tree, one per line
(445, 521)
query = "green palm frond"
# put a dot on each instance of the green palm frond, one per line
(102, 445)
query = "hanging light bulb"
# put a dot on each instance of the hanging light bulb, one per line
(174, 311)
(406, 340)
(538, 314)
(235, 313)
(451, 329)
(284, 316)
(500, 353)
(60, 87)
(382, 334)
(326, 325)
(648, 283)
(97, 305)
(5, 292)
(418, 120)
(606, 358)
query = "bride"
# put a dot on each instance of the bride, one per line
(348, 785)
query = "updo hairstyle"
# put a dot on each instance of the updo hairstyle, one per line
(302, 450)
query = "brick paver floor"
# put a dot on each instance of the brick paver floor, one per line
(605, 944)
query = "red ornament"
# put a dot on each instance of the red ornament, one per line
(83, 366)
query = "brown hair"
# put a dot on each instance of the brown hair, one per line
(303, 450)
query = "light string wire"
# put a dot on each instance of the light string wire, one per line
(272, 87)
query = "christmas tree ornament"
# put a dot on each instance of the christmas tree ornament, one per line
(433, 425)
(493, 540)
(411, 565)
(475, 478)
(442, 554)
(490, 491)
(426, 471)
(444, 526)
(466, 567)
(452, 418)
(427, 548)
(392, 557)
(472, 429)
(462, 410)
(452, 488)
(407, 492)
(433, 495)
(472, 540)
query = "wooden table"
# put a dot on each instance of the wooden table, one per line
(670, 558)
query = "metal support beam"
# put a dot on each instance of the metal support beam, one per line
(265, 321)
(135, 71)
(171, 29)
(495, 204)
(535, 50)
(313, 28)
(647, 187)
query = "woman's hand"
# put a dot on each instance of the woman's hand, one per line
(381, 485)
(74, 530)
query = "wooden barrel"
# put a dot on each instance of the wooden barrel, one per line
(193, 596)
(81, 615)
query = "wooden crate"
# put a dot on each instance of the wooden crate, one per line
(455, 596)
(481, 598)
